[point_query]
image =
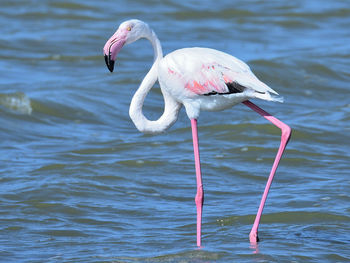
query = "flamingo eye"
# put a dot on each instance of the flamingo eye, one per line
(129, 28)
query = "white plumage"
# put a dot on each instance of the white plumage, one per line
(198, 78)
(189, 73)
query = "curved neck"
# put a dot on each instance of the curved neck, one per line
(157, 48)
(171, 107)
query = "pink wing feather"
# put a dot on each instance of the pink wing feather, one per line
(212, 77)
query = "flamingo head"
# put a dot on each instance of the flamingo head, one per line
(128, 32)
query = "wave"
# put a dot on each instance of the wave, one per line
(17, 102)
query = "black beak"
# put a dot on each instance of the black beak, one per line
(109, 63)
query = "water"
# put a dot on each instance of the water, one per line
(79, 183)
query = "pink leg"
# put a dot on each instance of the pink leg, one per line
(286, 132)
(199, 195)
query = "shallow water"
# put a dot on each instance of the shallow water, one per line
(79, 183)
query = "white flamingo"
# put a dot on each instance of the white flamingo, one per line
(199, 79)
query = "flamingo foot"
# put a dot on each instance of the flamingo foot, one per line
(253, 237)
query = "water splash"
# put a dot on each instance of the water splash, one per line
(17, 102)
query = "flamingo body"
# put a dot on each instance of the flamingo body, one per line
(211, 80)
(199, 79)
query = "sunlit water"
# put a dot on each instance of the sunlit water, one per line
(79, 183)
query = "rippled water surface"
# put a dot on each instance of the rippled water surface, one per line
(79, 183)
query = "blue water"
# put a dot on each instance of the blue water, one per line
(79, 183)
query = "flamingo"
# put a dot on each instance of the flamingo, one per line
(199, 79)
